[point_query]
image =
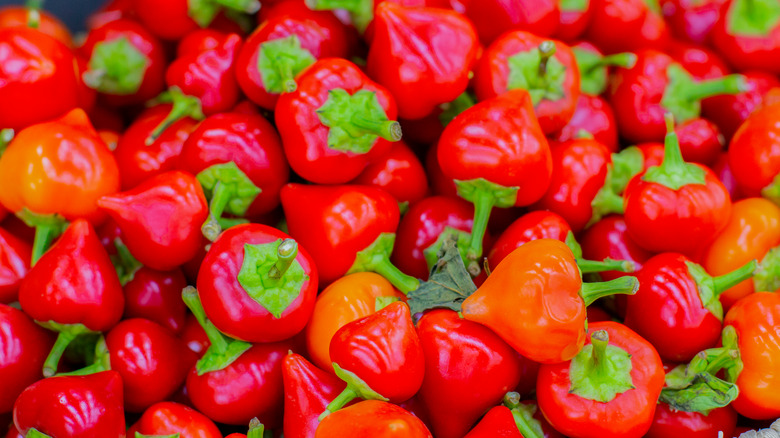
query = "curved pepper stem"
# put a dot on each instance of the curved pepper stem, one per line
(376, 258)
(546, 51)
(710, 287)
(220, 197)
(682, 96)
(593, 68)
(523, 415)
(47, 228)
(625, 60)
(183, 106)
(67, 333)
(356, 388)
(591, 266)
(733, 278)
(125, 264)
(674, 172)
(256, 429)
(280, 60)
(591, 292)
(102, 361)
(230, 190)
(286, 254)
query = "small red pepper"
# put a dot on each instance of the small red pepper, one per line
(575, 17)
(373, 418)
(32, 16)
(492, 18)
(440, 183)
(307, 392)
(513, 419)
(731, 110)
(14, 264)
(700, 141)
(668, 422)
(336, 122)
(748, 34)
(702, 63)
(174, 19)
(627, 25)
(167, 418)
(399, 172)
(593, 115)
(754, 154)
(156, 296)
(693, 20)
(531, 226)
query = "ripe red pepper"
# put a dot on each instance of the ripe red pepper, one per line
(575, 17)
(25, 346)
(372, 418)
(160, 219)
(498, 156)
(676, 206)
(346, 229)
(73, 289)
(668, 422)
(627, 25)
(656, 85)
(31, 15)
(692, 20)
(126, 62)
(493, 18)
(468, 369)
(379, 356)
(85, 406)
(238, 159)
(35, 67)
(174, 19)
(547, 69)
(292, 38)
(14, 265)
(731, 110)
(152, 362)
(531, 226)
(399, 172)
(156, 296)
(513, 420)
(748, 34)
(422, 55)
(608, 238)
(167, 418)
(336, 122)
(307, 392)
(754, 154)
(593, 115)
(610, 388)
(701, 62)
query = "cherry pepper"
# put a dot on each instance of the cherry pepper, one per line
(166, 418)
(257, 284)
(754, 154)
(372, 418)
(346, 229)
(748, 34)
(547, 69)
(627, 25)
(610, 388)
(56, 170)
(85, 406)
(642, 95)
(156, 296)
(422, 55)
(307, 392)
(531, 226)
(692, 20)
(336, 122)
(512, 419)
(284, 44)
(498, 156)
(400, 173)
(592, 115)
(494, 18)
(676, 206)
(160, 219)
(175, 19)
(608, 238)
(379, 356)
(14, 265)
(677, 308)
(538, 289)
(73, 289)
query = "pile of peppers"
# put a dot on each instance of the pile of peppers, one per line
(391, 218)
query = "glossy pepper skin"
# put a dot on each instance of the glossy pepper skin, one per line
(754, 319)
(25, 348)
(423, 56)
(372, 418)
(492, 18)
(292, 38)
(156, 296)
(14, 264)
(545, 68)
(753, 230)
(307, 391)
(608, 238)
(692, 20)
(125, 62)
(498, 422)
(635, 378)
(753, 154)
(336, 122)
(160, 219)
(257, 284)
(35, 67)
(347, 299)
(671, 422)
(78, 406)
(700, 141)
(468, 369)
(594, 115)
(575, 17)
(731, 110)
(626, 25)
(399, 172)
(748, 35)
(530, 226)
(173, 418)
(174, 19)
(48, 23)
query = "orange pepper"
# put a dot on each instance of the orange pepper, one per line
(754, 229)
(372, 418)
(347, 299)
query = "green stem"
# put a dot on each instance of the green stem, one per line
(44, 236)
(33, 13)
(723, 360)
(220, 196)
(190, 297)
(256, 429)
(247, 6)
(625, 60)
(285, 254)
(590, 266)
(284, 66)
(483, 205)
(591, 292)
(600, 341)
(404, 283)
(731, 84)
(346, 396)
(183, 106)
(64, 338)
(390, 130)
(33, 433)
(512, 401)
(727, 281)
(349, 5)
(546, 51)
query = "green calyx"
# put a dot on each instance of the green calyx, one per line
(772, 191)
(361, 11)
(592, 266)
(693, 387)
(229, 190)
(271, 276)
(710, 287)
(462, 238)
(6, 135)
(101, 361)
(730, 341)
(356, 121)
(256, 429)
(574, 5)
(183, 106)
(33, 433)
(538, 72)
(356, 388)
(376, 258)
(140, 435)
(125, 264)
(625, 165)
(47, 228)
(223, 350)
(116, 67)
(606, 201)
(279, 61)
(203, 12)
(523, 415)
(756, 18)
(384, 301)
(600, 371)
(766, 278)
(593, 68)
(674, 172)
(66, 334)
(682, 96)
(484, 195)
(451, 109)
(626, 285)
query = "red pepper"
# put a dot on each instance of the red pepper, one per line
(731, 110)
(468, 369)
(174, 19)
(700, 141)
(440, 183)
(373, 418)
(126, 62)
(754, 154)
(336, 122)
(307, 392)
(25, 346)
(14, 265)
(514, 419)
(160, 219)
(748, 34)
(676, 206)
(498, 422)
(422, 55)
(173, 418)
(73, 289)
(85, 406)
(610, 388)
(547, 69)
(608, 238)
(593, 115)
(701, 62)
(35, 67)
(692, 20)
(109, 11)
(31, 15)
(256, 430)
(656, 85)
(156, 296)
(627, 25)
(399, 172)
(194, 336)
(498, 156)
(531, 226)
(495, 17)
(668, 422)
(379, 356)
(289, 39)
(723, 170)
(346, 229)
(575, 17)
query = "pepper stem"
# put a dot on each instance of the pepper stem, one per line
(33, 433)
(191, 299)
(248, 6)
(546, 51)
(6, 135)
(674, 172)
(727, 281)
(376, 258)
(33, 13)
(512, 401)
(731, 84)
(346, 396)
(591, 292)
(286, 254)
(221, 195)
(44, 236)
(64, 338)
(483, 206)
(183, 106)
(390, 130)
(47, 228)
(625, 60)
(284, 66)
(256, 429)
(600, 340)
(591, 266)
(404, 283)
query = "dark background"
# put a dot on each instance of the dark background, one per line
(72, 12)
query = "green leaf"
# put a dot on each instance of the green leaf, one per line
(356, 121)
(432, 252)
(116, 67)
(705, 392)
(279, 62)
